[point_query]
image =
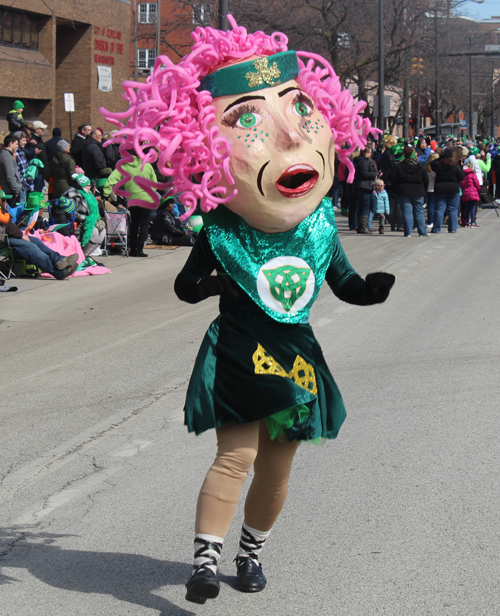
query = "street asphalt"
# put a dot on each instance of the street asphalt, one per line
(399, 516)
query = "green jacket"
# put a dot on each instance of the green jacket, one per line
(134, 168)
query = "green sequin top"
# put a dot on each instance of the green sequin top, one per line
(277, 276)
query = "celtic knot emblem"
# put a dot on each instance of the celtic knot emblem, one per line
(265, 73)
(287, 284)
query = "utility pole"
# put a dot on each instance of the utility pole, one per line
(223, 23)
(381, 84)
(158, 27)
(134, 21)
(471, 102)
(438, 102)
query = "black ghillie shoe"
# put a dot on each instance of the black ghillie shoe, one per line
(249, 574)
(202, 585)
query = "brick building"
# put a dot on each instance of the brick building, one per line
(49, 49)
(177, 19)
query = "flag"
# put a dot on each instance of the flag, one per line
(31, 222)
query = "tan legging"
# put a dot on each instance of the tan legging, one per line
(238, 447)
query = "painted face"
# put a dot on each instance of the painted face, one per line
(282, 155)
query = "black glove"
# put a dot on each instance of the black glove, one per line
(428, 140)
(378, 286)
(209, 286)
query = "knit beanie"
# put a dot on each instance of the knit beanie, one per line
(18, 105)
(19, 134)
(81, 179)
(62, 145)
(56, 132)
(67, 205)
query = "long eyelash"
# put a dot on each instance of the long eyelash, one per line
(230, 119)
(301, 97)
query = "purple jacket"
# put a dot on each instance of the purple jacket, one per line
(470, 186)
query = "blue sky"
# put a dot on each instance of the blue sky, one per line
(482, 11)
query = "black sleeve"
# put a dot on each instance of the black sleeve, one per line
(346, 284)
(201, 262)
(425, 179)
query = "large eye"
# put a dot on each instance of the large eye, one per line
(301, 108)
(248, 120)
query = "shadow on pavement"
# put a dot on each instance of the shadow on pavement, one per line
(128, 577)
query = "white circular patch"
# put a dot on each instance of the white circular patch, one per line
(286, 284)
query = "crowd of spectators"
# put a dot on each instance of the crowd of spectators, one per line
(421, 179)
(78, 177)
(398, 182)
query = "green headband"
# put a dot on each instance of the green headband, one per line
(252, 75)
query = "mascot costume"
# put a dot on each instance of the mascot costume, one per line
(248, 131)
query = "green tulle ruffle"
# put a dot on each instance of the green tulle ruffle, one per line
(280, 421)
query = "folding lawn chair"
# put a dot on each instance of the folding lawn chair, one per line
(7, 261)
(117, 231)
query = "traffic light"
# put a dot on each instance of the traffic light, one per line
(417, 66)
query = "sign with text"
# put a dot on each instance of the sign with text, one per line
(69, 102)
(107, 46)
(105, 83)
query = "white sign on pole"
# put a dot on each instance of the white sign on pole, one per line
(105, 79)
(69, 102)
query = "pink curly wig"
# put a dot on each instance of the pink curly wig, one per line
(169, 113)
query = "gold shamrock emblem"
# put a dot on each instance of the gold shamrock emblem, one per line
(265, 73)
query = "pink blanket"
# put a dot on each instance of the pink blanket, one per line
(67, 245)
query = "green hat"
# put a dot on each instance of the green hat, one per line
(82, 180)
(474, 151)
(4, 196)
(252, 75)
(18, 105)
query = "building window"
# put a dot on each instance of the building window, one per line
(146, 58)
(147, 13)
(18, 30)
(201, 14)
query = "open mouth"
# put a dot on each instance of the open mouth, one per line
(297, 180)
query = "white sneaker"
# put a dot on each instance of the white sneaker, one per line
(429, 227)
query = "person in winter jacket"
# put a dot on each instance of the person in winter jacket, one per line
(364, 179)
(93, 159)
(495, 168)
(473, 158)
(430, 190)
(61, 168)
(449, 174)
(166, 229)
(78, 143)
(423, 151)
(51, 144)
(10, 180)
(392, 154)
(470, 195)
(90, 229)
(15, 117)
(410, 182)
(380, 203)
(23, 157)
(37, 143)
(140, 214)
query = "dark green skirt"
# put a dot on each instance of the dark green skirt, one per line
(246, 371)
